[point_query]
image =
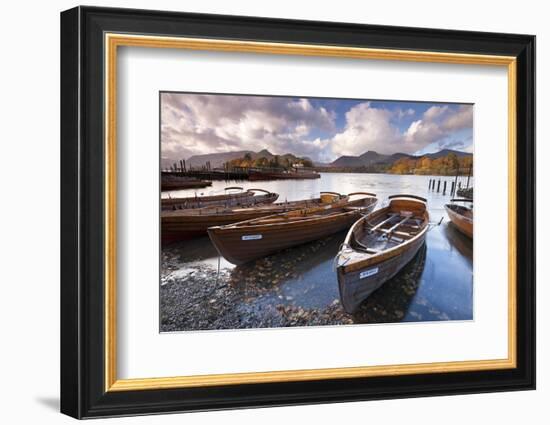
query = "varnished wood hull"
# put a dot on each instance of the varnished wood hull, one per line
(354, 289)
(464, 224)
(174, 228)
(179, 185)
(245, 243)
(185, 224)
(360, 274)
(230, 200)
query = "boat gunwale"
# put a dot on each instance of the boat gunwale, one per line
(383, 255)
(210, 210)
(452, 212)
(313, 219)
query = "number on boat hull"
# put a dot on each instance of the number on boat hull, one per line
(251, 237)
(367, 273)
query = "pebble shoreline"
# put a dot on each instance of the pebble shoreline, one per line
(194, 296)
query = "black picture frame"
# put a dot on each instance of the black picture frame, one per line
(83, 392)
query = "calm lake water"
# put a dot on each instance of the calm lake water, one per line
(436, 285)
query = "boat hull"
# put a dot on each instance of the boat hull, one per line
(357, 285)
(462, 223)
(238, 199)
(175, 228)
(241, 244)
(378, 246)
(188, 223)
(184, 184)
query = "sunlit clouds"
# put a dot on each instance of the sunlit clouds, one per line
(321, 129)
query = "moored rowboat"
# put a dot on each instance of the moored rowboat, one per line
(187, 223)
(378, 246)
(462, 217)
(247, 198)
(252, 239)
(177, 183)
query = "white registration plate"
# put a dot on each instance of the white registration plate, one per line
(251, 237)
(367, 273)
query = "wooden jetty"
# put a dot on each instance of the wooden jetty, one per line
(378, 246)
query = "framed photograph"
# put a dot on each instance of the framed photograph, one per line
(261, 212)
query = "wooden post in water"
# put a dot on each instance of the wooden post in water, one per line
(469, 174)
(460, 185)
(456, 179)
(453, 187)
(438, 185)
(184, 166)
(429, 184)
(444, 187)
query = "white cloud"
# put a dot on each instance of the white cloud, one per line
(366, 128)
(370, 128)
(198, 124)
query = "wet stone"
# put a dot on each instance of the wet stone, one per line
(296, 287)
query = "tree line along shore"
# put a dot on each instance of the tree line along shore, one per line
(447, 165)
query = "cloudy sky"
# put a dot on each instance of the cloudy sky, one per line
(322, 129)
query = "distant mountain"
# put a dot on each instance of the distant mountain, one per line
(368, 158)
(445, 152)
(218, 159)
(346, 161)
(394, 157)
(372, 158)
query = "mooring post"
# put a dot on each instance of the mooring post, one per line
(469, 174)
(184, 166)
(444, 187)
(438, 185)
(452, 188)
(456, 179)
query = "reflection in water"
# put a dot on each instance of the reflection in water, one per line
(298, 287)
(458, 240)
(391, 301)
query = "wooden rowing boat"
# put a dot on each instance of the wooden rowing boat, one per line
(461, 216)
(178, 183)
(247, 198)
(187, 223)
(252, 239)
(378, 246)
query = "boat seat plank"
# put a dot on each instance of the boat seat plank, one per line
(403, 221)
(363, 247)
(379, 225)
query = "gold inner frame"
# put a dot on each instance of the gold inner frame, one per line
(113, 41)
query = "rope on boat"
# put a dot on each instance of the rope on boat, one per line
(218, 274)
(433, 225)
